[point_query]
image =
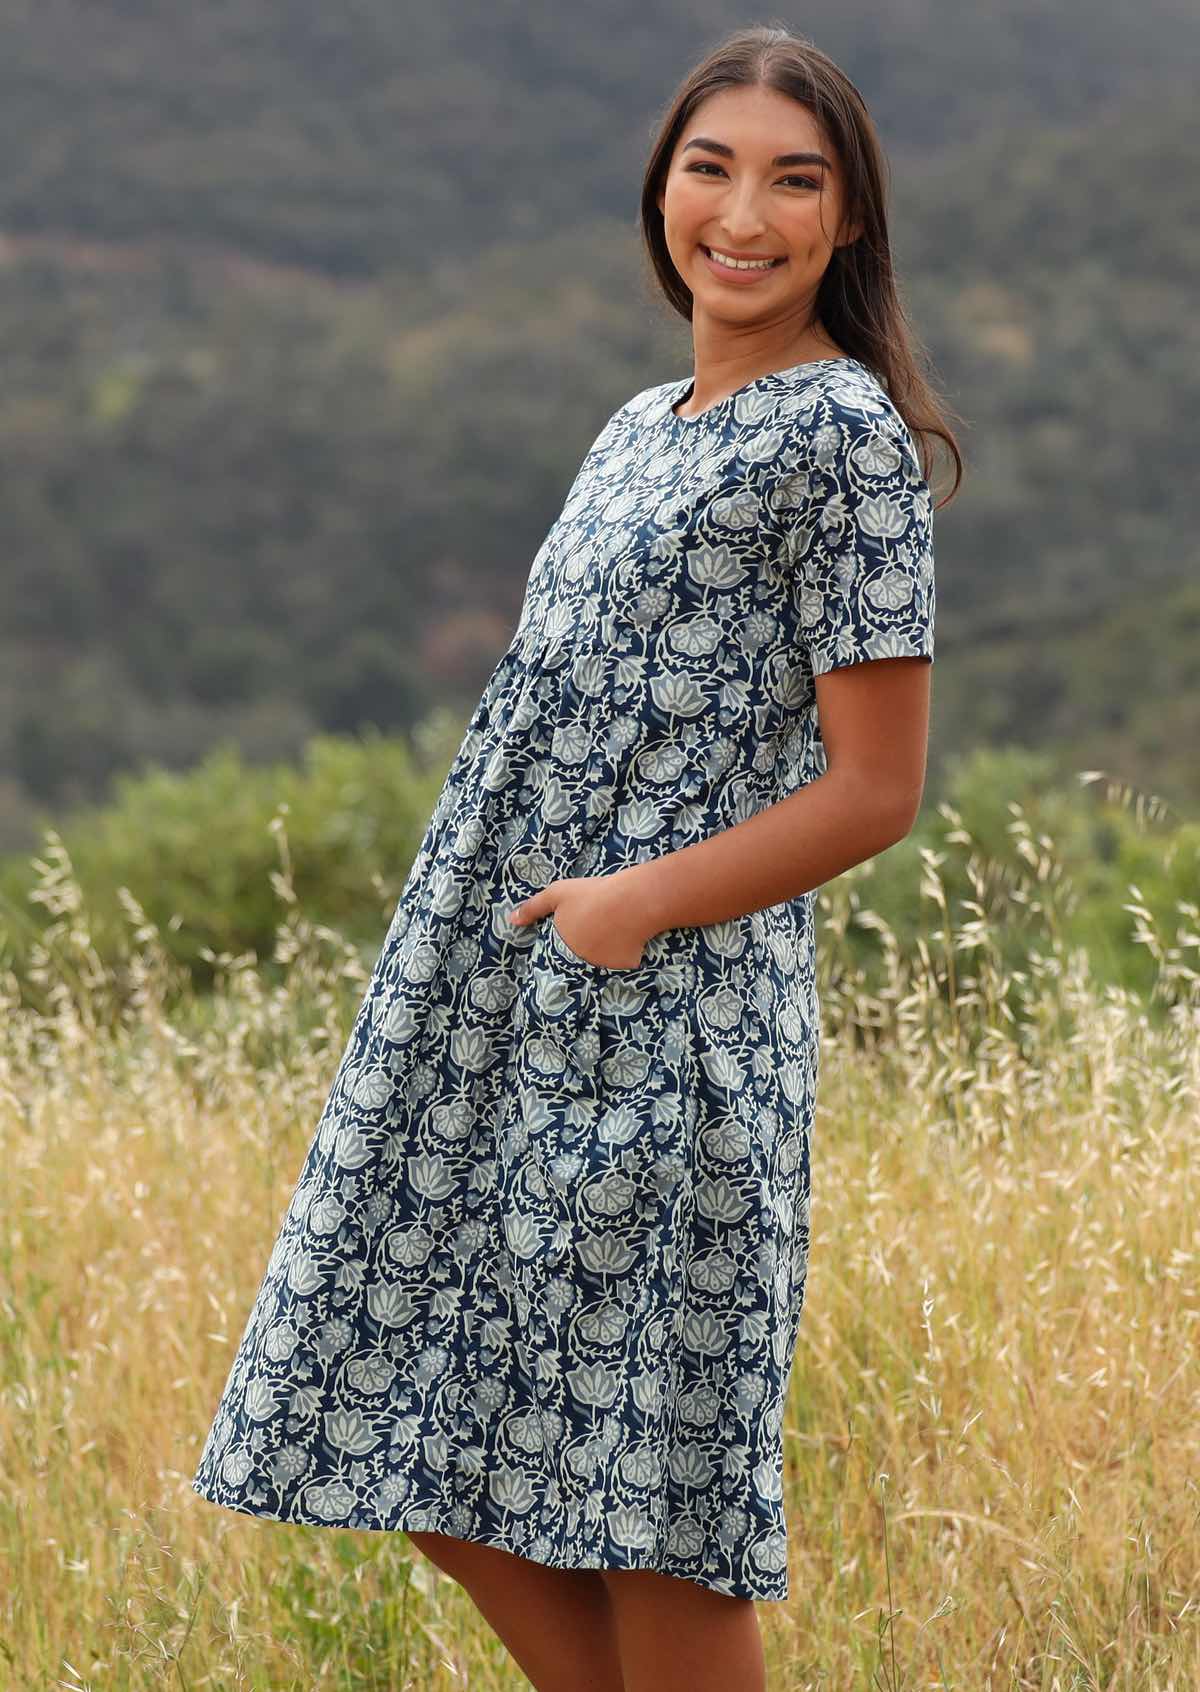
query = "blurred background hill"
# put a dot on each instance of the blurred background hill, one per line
(308, 316)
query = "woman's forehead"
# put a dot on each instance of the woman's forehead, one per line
(757, 123)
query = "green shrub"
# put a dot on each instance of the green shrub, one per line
(198, 851)
(1016, 858)
(1009, 859)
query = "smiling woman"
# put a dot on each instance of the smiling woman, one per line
(751, 223)
(536, 1297)
(720, 187)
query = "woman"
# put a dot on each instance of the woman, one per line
(536, 1298)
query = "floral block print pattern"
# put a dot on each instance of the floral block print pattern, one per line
(539, 1284)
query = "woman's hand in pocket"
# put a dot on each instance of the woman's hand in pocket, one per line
(595, 919)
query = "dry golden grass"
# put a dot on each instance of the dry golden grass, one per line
(994, 1419)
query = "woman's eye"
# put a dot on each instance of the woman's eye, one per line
(707, 164)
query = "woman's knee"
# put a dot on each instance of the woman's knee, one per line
(654, 1591)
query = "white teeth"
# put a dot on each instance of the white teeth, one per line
(740, 264)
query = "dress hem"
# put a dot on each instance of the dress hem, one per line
(433, 1521)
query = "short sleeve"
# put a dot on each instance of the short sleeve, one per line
(857, 527)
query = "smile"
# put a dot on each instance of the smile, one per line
(727, 263)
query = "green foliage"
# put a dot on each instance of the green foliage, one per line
(198, 852)
(1019, 857)
(302, 349)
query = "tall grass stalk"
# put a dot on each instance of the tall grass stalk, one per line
(994, 1417)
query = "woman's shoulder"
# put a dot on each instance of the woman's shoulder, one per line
(839, 407)
(628, 416)
(648, 399)
(842, 387)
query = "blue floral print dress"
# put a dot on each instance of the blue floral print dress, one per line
(539, 1284)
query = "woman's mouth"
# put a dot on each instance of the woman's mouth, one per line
(741, 270)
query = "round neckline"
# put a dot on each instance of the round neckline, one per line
(679, 391)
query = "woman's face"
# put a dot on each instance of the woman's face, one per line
(725, 190)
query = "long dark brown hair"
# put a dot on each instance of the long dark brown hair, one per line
(857, 302)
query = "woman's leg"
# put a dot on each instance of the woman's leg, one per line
(556, 1623)
(675, 1635)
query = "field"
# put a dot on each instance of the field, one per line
(994, 1421)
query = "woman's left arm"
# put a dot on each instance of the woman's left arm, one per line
(857, 525)
(874, 720)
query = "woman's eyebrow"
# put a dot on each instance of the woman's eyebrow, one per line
(783, 159)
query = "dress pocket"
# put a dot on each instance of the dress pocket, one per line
(595, 1153)
(658, 951)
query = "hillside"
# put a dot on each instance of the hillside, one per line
(252, 493)
(370, 136)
